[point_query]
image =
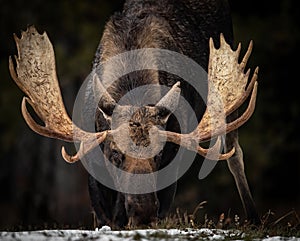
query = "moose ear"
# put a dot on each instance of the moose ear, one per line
(106, 104)
(163, 114)
(169, 103)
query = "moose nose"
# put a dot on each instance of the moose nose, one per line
(141, 208)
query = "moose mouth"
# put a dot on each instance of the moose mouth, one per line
(141, 209)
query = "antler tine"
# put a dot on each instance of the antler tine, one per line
(85, 147)
(247, 55)
(238, 50)
(42, 130)
(253, 81)
(191, 142)
(213, 153)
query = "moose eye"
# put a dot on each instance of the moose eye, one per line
(134, 124)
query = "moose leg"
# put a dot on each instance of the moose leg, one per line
(166, 195)
(120, 218)
(102, 201)
(166, 198)
(236, 166)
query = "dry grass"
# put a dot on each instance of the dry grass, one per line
(287, 225)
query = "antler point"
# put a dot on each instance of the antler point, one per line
(238, 50)
(211, 44)
(222, 39)
(67, 157)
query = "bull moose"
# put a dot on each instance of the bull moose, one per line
(190, 27)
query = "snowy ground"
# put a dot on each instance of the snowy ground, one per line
(106, 234)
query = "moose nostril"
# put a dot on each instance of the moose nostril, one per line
(134, 124)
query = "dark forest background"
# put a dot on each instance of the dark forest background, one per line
(39, 189)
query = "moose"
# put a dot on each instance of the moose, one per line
(192, 28)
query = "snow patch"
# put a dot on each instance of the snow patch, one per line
(105, 233)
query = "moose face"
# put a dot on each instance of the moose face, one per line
(143, 120)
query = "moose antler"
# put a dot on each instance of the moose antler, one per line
(35, 74)
(226, 84)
